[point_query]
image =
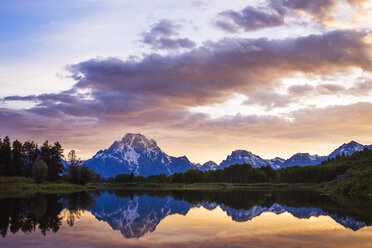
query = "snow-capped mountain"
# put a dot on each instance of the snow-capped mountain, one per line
(348, 149)
(138, 155)
(303, 159)
(243, 157)
(275, 163)
(210, 165)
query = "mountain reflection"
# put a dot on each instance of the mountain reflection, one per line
(135, 213)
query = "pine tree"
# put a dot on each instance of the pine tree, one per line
(17, 155)
(52, 155)
(5, 157)
(31, 153)
(2, 163)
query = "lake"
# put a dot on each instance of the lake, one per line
(224, 218)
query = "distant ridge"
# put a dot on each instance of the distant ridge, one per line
(136, 154)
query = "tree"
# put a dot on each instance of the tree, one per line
(17, 155)
(86, 175)
(31, 153)
(5, 157)
(77, 172)
(52, 155)
(39, 171)
(123, 178)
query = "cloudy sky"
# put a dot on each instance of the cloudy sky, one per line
(202, 78)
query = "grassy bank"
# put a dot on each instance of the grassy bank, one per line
(20, 186)
(202, 186)
(356, 182)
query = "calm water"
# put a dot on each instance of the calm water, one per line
(184, 219)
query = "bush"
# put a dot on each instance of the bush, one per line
(79, 174)
(39, 171)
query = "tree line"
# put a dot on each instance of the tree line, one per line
(245, 173)
(44, 163)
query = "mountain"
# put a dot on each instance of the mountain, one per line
(303, 159)
(243, 157)
(275, 163)
(138, 155)
(210, 165)
(348, 149)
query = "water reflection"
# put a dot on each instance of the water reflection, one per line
(137, 213)
(41, 212)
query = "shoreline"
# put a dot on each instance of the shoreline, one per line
(206, 186)
(22, 187)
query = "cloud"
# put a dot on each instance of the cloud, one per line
(323, 11)
(332, 122)
(201, 5)
(249, 19)
(159, 37)
(202, 76)
(363, 88)
(157, 92)
(275, 12)
(268, 99)
(317, 8)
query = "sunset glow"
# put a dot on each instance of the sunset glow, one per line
(202, 78)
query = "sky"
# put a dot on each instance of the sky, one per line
(202, 78)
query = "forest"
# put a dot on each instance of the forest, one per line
(43, 164)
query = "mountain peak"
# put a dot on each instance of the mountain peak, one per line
(241, 152)
(347, 149)
(303, 159)
(352, 143)
(138, 155)
(136, 138)
(210, 165)
(243, 157)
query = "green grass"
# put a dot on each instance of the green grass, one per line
(355, 182)
(20, 186)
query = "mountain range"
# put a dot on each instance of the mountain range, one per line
(141, 156)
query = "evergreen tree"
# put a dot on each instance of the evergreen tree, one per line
(31, 153)
(77, 172)
(52, 155)
(2, 163)
(5, 157)
(17, 155)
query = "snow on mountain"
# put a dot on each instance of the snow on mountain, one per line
(243, 157)
(138, 155)
(303, 159)
(275, 163)
(348, 149)
(210, 165)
